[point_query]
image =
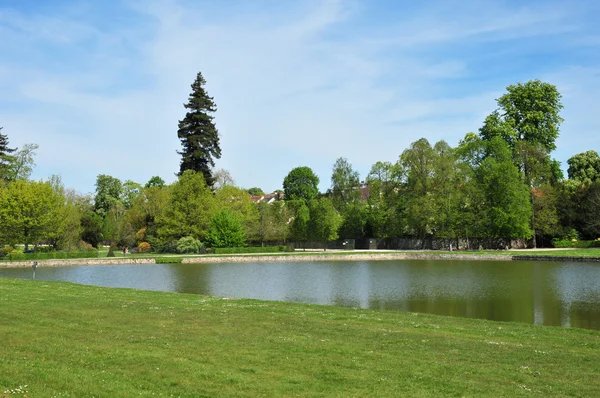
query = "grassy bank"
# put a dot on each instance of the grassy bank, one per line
(66, 340)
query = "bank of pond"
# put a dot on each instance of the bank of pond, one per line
(69, 340)
(559, 293)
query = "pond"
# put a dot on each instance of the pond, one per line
(548, 293)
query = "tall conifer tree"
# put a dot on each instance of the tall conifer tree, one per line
(198, 134)
(5, 157)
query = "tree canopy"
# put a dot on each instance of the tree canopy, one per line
(301, 184)
(197, 132)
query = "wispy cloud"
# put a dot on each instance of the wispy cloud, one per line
(296, 83)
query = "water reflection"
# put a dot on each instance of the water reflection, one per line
(546, 293)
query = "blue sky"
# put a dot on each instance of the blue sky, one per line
(100, 86)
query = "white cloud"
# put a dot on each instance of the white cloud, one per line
(297, 84)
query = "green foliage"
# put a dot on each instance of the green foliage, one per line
(91, 225)
(155, 181)
(584, 167)
(255, 191)
(576, 244)
(189, 244)
(226, 230)
(16, 255)
(131, 190)
(18, 166)
(197, 132)
(111, 251)
(527, 112)
(109, 191)
(238, 202)
(144, 247)
(190, 207)
(301, 219)
(250, 249)
(29, 210)
(345, 184)
(507, 207)
(301, 184)
(6, 249)
(324, 220)
(6, 159)
(272, 222)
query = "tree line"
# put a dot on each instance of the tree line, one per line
(500, 182)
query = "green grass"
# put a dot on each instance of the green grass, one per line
(67, 340)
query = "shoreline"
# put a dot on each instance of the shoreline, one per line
(301, 257)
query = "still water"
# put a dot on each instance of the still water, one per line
(548, 293)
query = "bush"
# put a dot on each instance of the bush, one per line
(16, 255)
(255, 249)
(144, 247)
(111, 251)
(578, 244)
(189, 244)
(5, 251)
(85, 247)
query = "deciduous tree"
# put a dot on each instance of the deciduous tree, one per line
(301, 184)
(28, 211)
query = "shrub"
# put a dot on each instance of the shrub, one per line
(252, 249)
(189, 244)
(579, 244)
(144, 247)
(111, 251)
(5, 251)
(16, 255)
(85, 247)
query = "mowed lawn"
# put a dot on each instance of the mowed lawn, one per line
(66, 340)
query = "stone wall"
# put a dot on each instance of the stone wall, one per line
(77, 261)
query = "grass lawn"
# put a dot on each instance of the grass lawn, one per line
(66, 340)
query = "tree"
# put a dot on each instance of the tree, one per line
(155, 181)
(91, 225)
(146, 209)
(528, 120)
(324, 221)
(507, 208)
(223, 179)
(384, 216)
(28, 211)
(255, 191)
(226, 230)
(109, 191)
(22, 163)
(5, 158)
(300, 223)
(345, 184)
(418, 163)
(130, 191)
(238, 202)
(584, 167)
(528, 112)
(189, 210)
(198, 134)
(66, 234)
(301, 184)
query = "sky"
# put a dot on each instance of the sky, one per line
(100, 86)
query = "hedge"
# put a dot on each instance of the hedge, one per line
(578, 244)
(49, 256)
(251, 249)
